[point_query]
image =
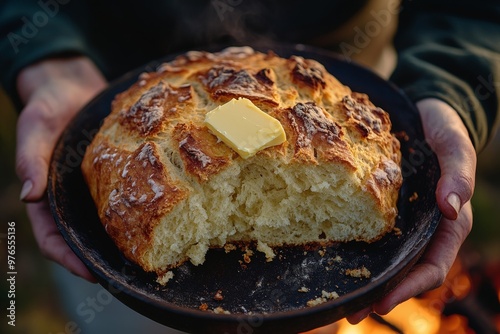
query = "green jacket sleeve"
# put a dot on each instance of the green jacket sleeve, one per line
(450, 50)
(33, 30)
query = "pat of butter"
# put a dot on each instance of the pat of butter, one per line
(244, 127)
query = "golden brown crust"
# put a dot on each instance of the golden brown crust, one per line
(132, 191)
(226, 82)
(202, 154)
(314, 135)
(154, 149)
(308, 72)
(160, 102)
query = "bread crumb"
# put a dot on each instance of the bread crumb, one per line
(337, 259)
(218, 295)
(402, 135)
(413, 197)
(229, 247)
(325, 296)
(163, 279)
(303, 289)
(268, 251)
(359, 272)
(247, 256)
(322, 252)
(203, 307)
(397, 231)
(220, 310)
(329, 295)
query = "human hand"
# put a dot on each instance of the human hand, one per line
(448, 137)
(53, 91)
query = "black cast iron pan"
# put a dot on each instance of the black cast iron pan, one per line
(261, 297)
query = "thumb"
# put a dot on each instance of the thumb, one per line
(37, 132)
(54, 90)
(448, 137)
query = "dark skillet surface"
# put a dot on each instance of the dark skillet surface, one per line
(261, 296)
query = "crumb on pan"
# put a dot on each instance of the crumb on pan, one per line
(325, 296)
(203, 307)
(218, 295)
(242, 265)
(359, 272)
(413, 197)
(402, 135)
(164, 278)
(220, 310)
(303, 289)
(247, 256)
(229, 247)
(337, 259)
(322, 252)
(268, 251)
(397, 231)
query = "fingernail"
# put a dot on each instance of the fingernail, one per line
(26, 189)
(454, 201)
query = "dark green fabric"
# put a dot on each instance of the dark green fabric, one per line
(29, 33)
(450, 50)
(447, 49)
(119, 35)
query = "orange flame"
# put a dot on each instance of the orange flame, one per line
(418, 315)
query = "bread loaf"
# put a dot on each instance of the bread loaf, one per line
(167, 189)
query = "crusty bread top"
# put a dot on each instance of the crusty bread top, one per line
(324, 121)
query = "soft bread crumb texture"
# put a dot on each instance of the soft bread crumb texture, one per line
(362, 272)
(166, 189)
(164, 278)
(325, 296)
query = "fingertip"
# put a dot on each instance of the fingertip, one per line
(32, 169)
(449, 205)
(451, 194)
(76, 267)
(386, 305)
(359, 316)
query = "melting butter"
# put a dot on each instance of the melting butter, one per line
(245, 128)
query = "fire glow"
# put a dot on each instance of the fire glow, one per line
(425, 314)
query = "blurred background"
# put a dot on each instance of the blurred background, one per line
(40, 305)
